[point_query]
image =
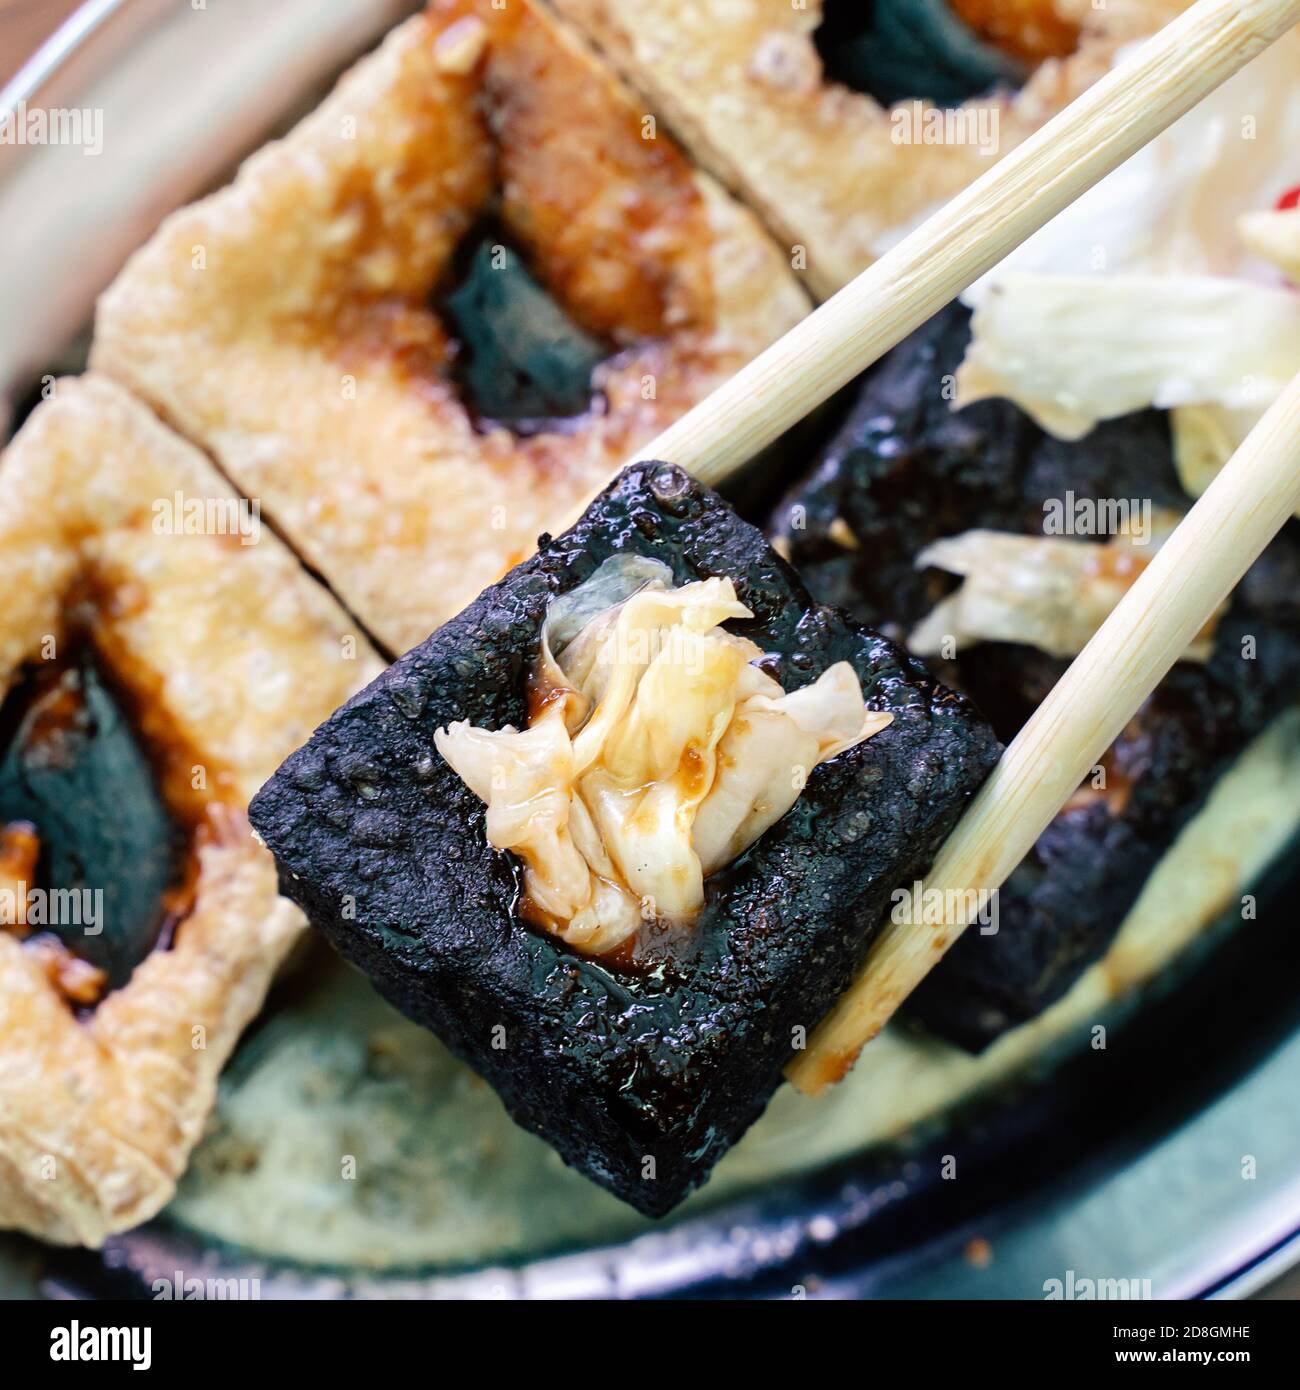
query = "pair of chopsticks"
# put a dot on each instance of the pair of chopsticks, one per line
(1188, 578)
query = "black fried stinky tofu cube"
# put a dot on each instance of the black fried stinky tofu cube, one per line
(640, 1079)
(906, 470)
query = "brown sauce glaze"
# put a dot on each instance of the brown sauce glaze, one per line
(1030, 30)
(655, 944)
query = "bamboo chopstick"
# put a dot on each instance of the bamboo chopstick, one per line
(1186, 580)
(1124, 110)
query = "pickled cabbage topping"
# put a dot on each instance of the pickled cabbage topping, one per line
(1071, 350)
(1173, 208)
(1040, 591)
(1274, 236)
(1165, 284)
(658, 751)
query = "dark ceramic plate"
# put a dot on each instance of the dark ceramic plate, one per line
(1125, 1164)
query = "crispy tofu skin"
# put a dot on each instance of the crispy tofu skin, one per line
(742, 86)
(906, 470)
(640, 1078)
(286, 323)
(232, 654)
